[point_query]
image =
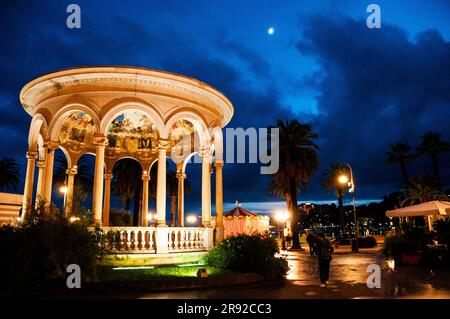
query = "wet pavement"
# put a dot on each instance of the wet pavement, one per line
(348, 279)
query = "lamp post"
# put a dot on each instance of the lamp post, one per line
(351, 183)
(63, 190)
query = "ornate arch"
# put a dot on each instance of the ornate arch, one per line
(217, 135)
(67, 155)
(116, 160)
(38, 126)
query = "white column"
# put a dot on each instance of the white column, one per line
(97, 197)
(145, 181)
(29, 180)
(70, 188)
(181, 177)
(161, 184)
(206, 188)
(40, 182)
(219, 203)
(107, 199)
(48, 179)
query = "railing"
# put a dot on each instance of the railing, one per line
(158, 240)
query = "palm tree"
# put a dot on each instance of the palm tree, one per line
(172, 188)
(127, 184)
(431, 145)
(331, 181)
(400, 153)
(280, 188)
(83, 179)
(298, 161)
(421, 189)
(9, 173)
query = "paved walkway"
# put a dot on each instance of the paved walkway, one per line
(348, 279)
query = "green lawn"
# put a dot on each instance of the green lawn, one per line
(107, 273)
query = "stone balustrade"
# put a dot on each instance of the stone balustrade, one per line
(158, 240)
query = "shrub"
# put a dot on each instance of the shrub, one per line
(36, 252)
(120, 218)
(442, 225)
(367, 242)
(395, 246)
(246, 253)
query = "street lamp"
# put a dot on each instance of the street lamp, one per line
(282, 217)
(343, 179)
(191, 219)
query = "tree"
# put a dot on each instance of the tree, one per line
(172, 188)
(421, 189)
(9, 173)
(280, 188)
(331, 181)
(432, 145)
(127, 184)
(298, 162)
(400, 153)
(83, 180)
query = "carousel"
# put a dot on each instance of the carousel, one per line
(126, 112)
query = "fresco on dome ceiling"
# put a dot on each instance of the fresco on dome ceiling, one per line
(132, 131)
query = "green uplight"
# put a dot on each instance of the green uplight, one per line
(133, 268)
(191, 265)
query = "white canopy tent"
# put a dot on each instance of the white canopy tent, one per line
(430, 210)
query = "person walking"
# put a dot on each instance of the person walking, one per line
(310, 239)
(324, 250)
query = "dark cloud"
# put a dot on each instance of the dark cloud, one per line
(376, 86)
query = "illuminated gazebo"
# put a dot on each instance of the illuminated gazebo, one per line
(125, 112)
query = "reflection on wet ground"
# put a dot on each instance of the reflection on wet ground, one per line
(348, 279)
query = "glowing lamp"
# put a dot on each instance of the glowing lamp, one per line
(343, 179)
(191, 219)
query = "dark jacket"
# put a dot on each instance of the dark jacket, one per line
(324, 249)
(310, 239)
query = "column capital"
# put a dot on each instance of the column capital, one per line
(218, 164)
(145, 177)
(181, 175)
(51, 145)
(40, 163)
(205, 154)
(72, 171)
(32, 155)
(108, 176)
(163, 144)
(100, 140)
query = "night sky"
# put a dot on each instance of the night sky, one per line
(361, 89)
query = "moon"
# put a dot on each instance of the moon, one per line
(270, 31)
